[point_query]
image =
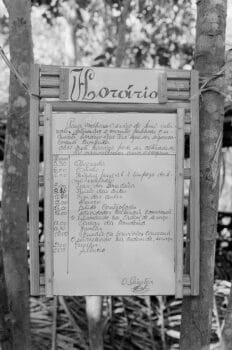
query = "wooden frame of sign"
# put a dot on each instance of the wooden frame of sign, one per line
(57, 90)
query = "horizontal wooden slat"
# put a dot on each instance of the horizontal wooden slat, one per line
(178, 74)
(178, 95)
(54, 81)
(179, 85)
(99, 107)
(187, 173)
(51, 70)
(186, 290)
(172, 95)
(50, 81)
(186, 284)
(49, 92)
(61, 106)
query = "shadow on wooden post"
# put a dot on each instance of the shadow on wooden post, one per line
(94, 315)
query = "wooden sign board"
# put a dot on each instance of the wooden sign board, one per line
(114, 175)
(110, 187)
(91, 84)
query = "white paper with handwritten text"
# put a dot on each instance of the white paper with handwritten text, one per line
(113, 203)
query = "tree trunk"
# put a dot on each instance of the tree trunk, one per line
(120, 52)
(227, 330)
(209, 59)
(5, 328)
(14, 200)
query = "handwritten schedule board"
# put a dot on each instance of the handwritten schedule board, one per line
(113, 207)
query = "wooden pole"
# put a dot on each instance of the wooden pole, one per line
(33, 182)
(94, 315)
(15, 177)
(209, 60)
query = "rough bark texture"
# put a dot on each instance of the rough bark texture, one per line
(95, 324)
(227, 330)
(209, 59)
(5, 328)
(120, 52)
(14, 201)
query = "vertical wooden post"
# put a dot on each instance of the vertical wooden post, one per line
(48, 201)
(162, 88)
(179, 203)
(194, 186)
(94, 315)
(34, 181)
(64, 84)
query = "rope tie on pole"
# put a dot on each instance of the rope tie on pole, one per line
(13, 69)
